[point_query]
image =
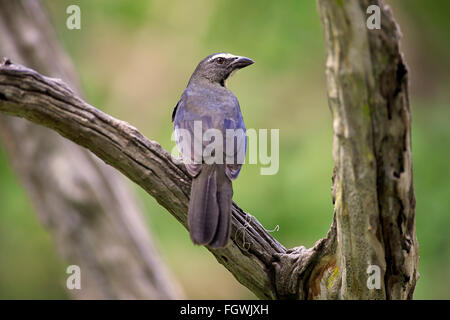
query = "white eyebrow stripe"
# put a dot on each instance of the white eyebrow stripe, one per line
(222, 55)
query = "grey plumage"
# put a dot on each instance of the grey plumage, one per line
(207, 99)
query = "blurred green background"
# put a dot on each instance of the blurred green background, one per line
(134, 59)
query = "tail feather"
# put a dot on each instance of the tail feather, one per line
(209, 215)
(224, 196)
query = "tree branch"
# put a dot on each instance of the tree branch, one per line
(49, 102)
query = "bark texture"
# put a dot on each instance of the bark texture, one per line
(49, 102)
(87, 206)
(373, 222)
(373, 186)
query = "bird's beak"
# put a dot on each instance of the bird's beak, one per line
(241, 62)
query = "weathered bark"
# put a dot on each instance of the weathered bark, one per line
(373, 186)
(372, 181)
(87, 206)
(49, 102)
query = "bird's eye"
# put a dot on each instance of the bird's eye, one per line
(220, 60)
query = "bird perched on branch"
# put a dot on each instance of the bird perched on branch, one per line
(210, 135)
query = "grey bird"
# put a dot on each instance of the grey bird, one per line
(207, 100)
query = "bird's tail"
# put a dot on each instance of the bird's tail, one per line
(209, 215)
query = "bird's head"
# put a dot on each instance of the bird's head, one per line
(218, 67)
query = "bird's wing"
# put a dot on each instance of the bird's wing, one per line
(225, 117)
(184, 133)
(174, 112)
(238, 148)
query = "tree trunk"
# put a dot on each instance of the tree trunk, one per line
(373, 185)
(87, 206)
